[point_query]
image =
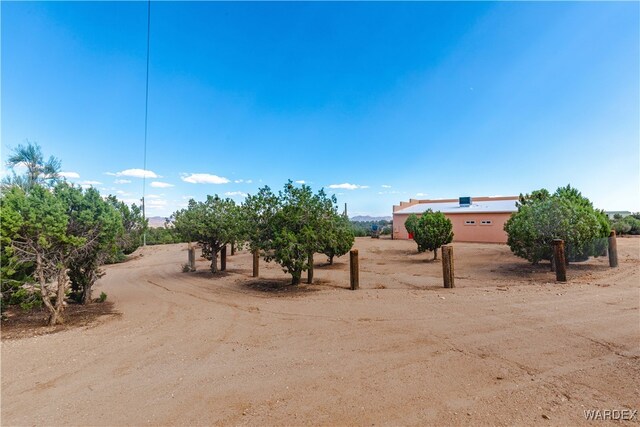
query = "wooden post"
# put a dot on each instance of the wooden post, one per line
(192, 259)
(355, 276)
(256, 263)
(447, 267)
(233, 248)
(223, 258)
(613, 249)
(559, 260)
(310, 270)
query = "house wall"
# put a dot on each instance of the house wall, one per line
(492, 233)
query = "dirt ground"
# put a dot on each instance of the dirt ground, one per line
(507, 346)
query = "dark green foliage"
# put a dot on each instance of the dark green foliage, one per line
(99, 223)
(565, 215)
(293, 225)
(213, 223)
(164, 236)
(133, 226)
(336, 237)
(430, 231)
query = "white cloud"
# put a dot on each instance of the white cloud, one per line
(135, 173)
(75, 175)
(239, 181)
(204, 178)
(421, 194)
(89, 183)
(158, 184)
(235, 193)
(385, 186)
(153, 196)
(122, 181)
(249, 181)
(347, 186)
(301, 181)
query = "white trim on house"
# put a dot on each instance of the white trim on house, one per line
(489, 206)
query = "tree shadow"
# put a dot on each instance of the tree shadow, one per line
(278, 287)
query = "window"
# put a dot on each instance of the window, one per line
(470, 222)
(485, 222)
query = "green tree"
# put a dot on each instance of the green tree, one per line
(411, 224)
(565, 215)
(337, 238)
(36, 225)
(99, 224)
(39, 170)
(133, 224)
(432, 230)
(213, 223)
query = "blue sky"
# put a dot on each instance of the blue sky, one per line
(375, 102)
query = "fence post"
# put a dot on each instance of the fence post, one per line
(560, 260)
(354, 276)
(256, 263)
(192, 258)
(223, 258)
(613, 250)
(447, 267)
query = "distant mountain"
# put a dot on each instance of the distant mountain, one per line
(371, 218)
(156, 221)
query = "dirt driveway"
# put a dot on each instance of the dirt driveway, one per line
(507, 346)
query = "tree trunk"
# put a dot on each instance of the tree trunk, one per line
(295, 278)
(63, 282)
(44, 290)
(435, 253)
(310, 270)
(331, 260)
(214, 260)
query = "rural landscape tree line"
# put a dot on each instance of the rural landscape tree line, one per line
(56, 235)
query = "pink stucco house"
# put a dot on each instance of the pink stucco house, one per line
(474, 219)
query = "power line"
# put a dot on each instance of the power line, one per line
(146, 116)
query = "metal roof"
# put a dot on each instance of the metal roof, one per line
(489, 206)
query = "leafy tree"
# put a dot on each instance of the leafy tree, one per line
(36, 224)
(565, 215)
(431, 231)
(337, 238)
(99, 224)
(213, 223)
(411, 224)
(133, 225)
(39, 170)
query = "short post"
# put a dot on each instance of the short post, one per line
(447, 266)
(559, 260)
(354, 276)
(223, 258)
(192, 258)
(613, 250)
(233, 248)
(256, 263)
(310, 270)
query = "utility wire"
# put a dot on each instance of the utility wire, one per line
(146, 115)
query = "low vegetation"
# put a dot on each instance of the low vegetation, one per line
(55, 236)
(565, 214)
(430, 231)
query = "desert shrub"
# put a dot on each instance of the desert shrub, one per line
(102, 297)
(430, 231)
(565, 215)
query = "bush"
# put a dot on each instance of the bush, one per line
(102, 297)
(565, 215)
(430, 231)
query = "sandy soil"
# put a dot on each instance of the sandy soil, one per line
(507, 346)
